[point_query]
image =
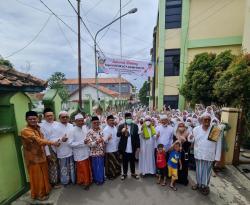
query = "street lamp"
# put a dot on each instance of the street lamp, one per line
(134, 10)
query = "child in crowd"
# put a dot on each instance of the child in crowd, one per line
(161, 164)
(173, 161)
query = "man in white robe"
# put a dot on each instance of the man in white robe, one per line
(147, 142)
(205, 153)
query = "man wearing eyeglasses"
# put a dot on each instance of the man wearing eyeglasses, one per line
(205, 153)
(47, 128)
(65, 152)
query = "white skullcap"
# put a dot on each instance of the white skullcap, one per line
(79, 116)
(163, 117)
(206, 114)
(63, 112)
(147, 117)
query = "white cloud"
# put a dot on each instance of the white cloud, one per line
(51, 52)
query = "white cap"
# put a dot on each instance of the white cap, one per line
(79, 116)
(206, 114)
(63, 112)
(147, 117)
(163, 117)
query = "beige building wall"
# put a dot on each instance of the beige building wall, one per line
(246, 34)
(172, 38)
(216, 18)
(194, 51)
(171, 85)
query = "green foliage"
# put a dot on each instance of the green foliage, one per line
(233, 86)
(5, 62)
(56, 82)
(143, 94)
(202, 74)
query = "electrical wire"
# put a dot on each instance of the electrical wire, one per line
(32, 40)
(64, 35)
(69, 27)
(88, 11)
(85, 26)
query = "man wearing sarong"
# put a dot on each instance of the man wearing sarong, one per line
(96, 142)
(64, 152)
(147, 145)
(112, 162)
(47, 128)
(81, 152)
(205, 153)
(34, 154)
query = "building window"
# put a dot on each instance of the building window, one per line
(171, 100)
(173, 14)
(172, 62)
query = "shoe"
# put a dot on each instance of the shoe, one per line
(123, 177)
(135, 176)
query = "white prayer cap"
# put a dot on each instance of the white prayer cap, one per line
(163, 117)
(206, 114)
(63, 112)
(147, 117)
(79, 116)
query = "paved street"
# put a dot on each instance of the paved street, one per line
(131, 192)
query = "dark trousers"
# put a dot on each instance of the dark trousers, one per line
(126, 158)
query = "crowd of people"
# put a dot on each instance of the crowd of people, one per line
(92, 149)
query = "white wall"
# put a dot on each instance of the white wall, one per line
(88, 90)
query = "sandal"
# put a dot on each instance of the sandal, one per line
(195, 187)
(135, 176)
(205, 191)
(123, 177)
(173, 187)
(163, 183)
(44, 198)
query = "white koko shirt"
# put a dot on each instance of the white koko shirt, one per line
(112, 144)
(64, 150)
(77, 135)
(47, 130)
(205, 149)
(166, 136)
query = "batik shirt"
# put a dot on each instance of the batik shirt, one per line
(96, 149)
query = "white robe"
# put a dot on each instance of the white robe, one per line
(146, 155)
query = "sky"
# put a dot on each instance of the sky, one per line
(38, 43)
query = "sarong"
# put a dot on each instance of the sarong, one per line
(112, 165)
(53, 168)
(67, 170)
(83, 172)
(98, 169)
(203, 172)
(39, 180)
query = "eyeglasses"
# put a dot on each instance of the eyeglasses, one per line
(64, 117)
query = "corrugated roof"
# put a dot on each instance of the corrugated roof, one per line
(11, 79)
(92, 81)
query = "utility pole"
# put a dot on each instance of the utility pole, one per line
(120, 48)
(79, 56)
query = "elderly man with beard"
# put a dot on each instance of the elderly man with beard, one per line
(77, 140)
(205, 153)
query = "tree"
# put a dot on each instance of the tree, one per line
(233, 86)
(202, 74)
(5, 62)
(56, 82)
(143, 94)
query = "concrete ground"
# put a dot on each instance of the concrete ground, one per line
(229, 187)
